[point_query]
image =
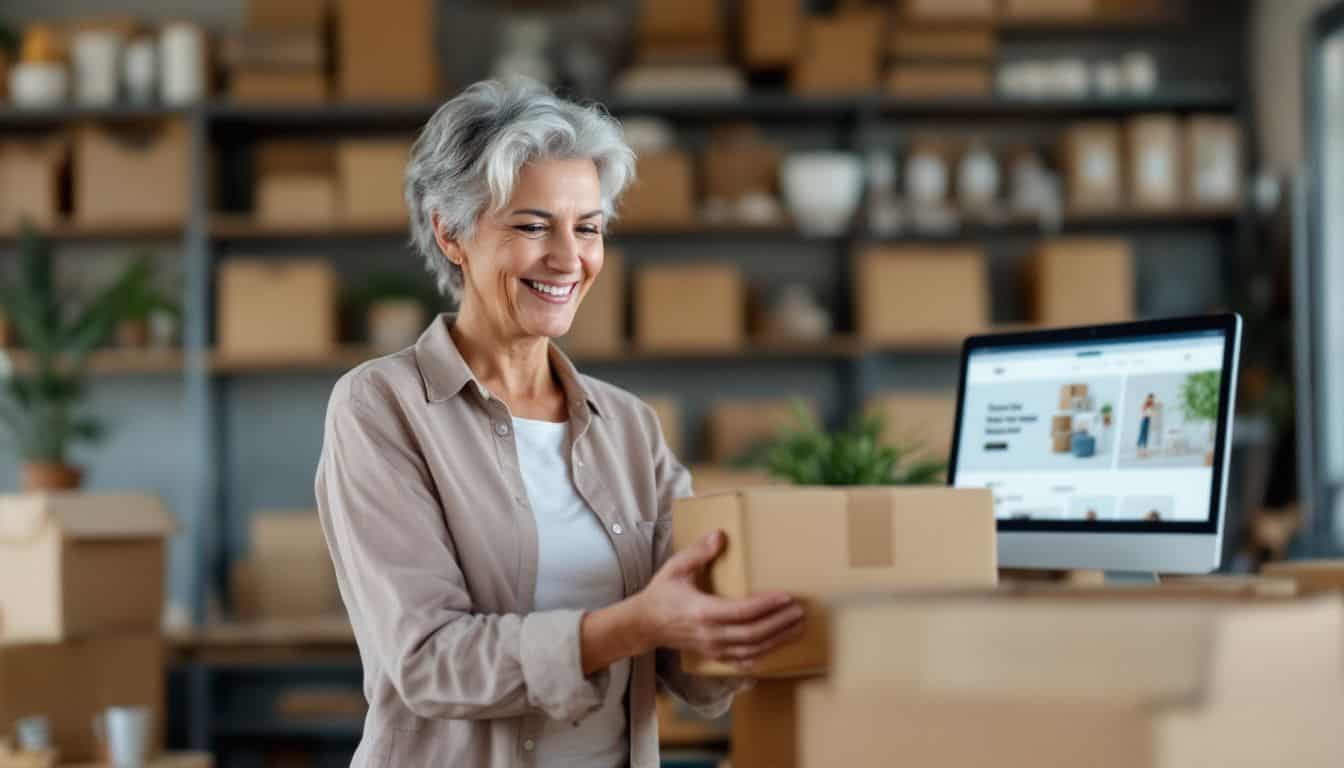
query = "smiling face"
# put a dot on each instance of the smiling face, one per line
(529, 264)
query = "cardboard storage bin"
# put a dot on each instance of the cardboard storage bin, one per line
(1093, 180)
(920, 294)
(296, 182)
(840, 54)
(738, 426)
(772, 32)
(371, 175)
(1156, 169)
(668, 411)
(385, 50)
(30, 181)
(1214, 160)
(690, 307)
(816, 543)
(131, 174)
(288, 572)
(72, 681)
(599, 324)
(680, 30)
(923, 421)
(77, 564)
(1081, 282)
(663, 194)
(276, 309)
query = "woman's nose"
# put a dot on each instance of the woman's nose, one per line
(564, 249)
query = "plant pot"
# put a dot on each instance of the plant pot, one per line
(132, 333)
(163, 330)
(51, 476)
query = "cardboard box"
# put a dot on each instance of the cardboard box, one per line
(372, 175)
(663, 194)
(772, 33)
(1048, 10)
(295, 158)
(284, 49)
(287, 534)
(736, 427)
(1311, 576)
(1213, 149)
(685, 29)
(276, 309)
(1069, 395)
(77, 564)
(942, 42)
(599, 324)
(689, 307)
(961, 10)
(280, 14)
(816, 543)
(270, 87)
(1082, 281)
(930, 80)
(921, 294)
(923, 419)
(283, 199)
(738, 162)
(288, 571)
(668, 411)
(1155, 166)
(680, 726)
(765, 724)
(840, 54)
(371, 68)
(72, 681)
(30, 181)
(713, 478)
(1092, 173)
(131, 174)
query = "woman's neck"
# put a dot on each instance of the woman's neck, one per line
(515, 369)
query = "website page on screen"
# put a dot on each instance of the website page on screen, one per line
(1118, 431)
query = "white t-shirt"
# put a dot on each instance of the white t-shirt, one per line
(576, 569)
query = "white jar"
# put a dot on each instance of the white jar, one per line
(95, 55)
(37, 85)
(182, 64)
(140, 70)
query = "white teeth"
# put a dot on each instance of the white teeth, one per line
(550, 290)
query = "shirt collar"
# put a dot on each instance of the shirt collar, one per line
(446, 374)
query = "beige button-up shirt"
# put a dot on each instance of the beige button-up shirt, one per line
(435, 547)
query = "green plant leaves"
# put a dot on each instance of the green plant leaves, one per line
(1199, 395)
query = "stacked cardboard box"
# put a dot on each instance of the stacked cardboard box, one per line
(663, 194)
(737, 427)
(133, 173)
(30, 181)
(918, 294)
(1065, 679)
(840, 54)
(772, 33)
(1081, 281)
(599, 324)
(940, 59)
(690, 307)
(386, 50)
(281, 55)
(81, 596)
(370, 175)
(920, 421)
(276, 309)
(288, 572)
(296, 182)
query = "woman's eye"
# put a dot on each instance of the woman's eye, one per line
(531, 229)
(589, 230)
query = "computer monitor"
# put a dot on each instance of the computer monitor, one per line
(1106, 447)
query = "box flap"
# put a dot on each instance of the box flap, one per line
(85, 515)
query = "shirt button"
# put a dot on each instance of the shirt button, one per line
(529, 745)
(502, 429)
(617, 528)
(578, 462)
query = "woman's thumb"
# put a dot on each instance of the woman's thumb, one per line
(701, 553)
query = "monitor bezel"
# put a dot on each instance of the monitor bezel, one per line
(1229, 324)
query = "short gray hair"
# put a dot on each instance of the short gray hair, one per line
(467, 157)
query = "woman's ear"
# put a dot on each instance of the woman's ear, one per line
(449, 246)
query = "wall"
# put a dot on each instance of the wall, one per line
(1278, 30)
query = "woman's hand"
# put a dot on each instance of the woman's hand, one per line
(674, 613)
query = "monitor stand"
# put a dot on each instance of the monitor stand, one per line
(1130, 578)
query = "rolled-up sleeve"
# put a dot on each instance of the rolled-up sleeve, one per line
(406, 593)
(709, 696)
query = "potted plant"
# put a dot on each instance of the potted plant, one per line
(855, 455)
(151, 319)
(1199, 400)
(395, 309)
(40, 407)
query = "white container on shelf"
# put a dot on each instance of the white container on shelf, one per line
(181, 64)
(37, 85)
(96, 59)
(822, 189)
(140, 70)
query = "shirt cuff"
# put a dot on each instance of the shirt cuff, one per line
(552, 661)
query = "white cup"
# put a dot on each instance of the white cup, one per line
(140, 71)
(125, 731)
(33, 733)
(181, 64)
(96, 57)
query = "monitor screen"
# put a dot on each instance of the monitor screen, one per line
(1116, 432)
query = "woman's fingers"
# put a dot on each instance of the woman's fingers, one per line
(747, 653)
(760, 630)
(719, 610)
(695, 557)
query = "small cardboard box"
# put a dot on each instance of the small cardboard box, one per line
(765, 724)
(276, 309)
(663, 194)
(288, 572)
(1082, 281)
(738, 162)
(307, 199)
(668, 411)
(282, 14)
(690, 306)
(1156, 169)
(1311, 576)
(772, 33)
(942, 42)
(920, 294)
(685, 29)
(1068, 397)
(371, 175)
(840, 54)
(257, 86)
(923, 419)
(72, 681)
(131, 174)
(1213, 149)
(1048, 10)
(599, 324)
(371, 68)
(281, 49)
(78, 564)
(816, 543)
(713, 478)
(930, 80)
(738, 426)
(30, 181)
(1093, 178)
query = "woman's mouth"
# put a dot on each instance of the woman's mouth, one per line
(555, 293)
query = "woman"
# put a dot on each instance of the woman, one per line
(1145, 425)
(500, 523)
